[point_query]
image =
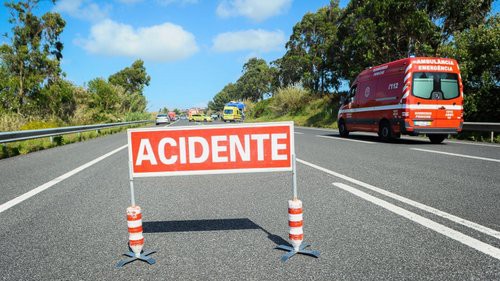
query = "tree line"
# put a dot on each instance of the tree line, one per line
(329, 48)
(33, 85)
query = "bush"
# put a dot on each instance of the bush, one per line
(11, 121)
(290, 100)
(39, 124)
(137, 116)
(259, 109)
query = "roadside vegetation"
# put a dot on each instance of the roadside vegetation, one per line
(330, 47)
(35, 94)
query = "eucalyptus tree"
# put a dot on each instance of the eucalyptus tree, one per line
(32, 59)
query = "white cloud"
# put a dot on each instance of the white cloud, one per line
(256, 40)
(257, 10)
(82, 9)
(164, 42)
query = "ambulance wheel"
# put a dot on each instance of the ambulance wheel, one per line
(436, 139)
(343, 129)
(385, 132)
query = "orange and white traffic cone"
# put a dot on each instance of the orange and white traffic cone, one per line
(134, 223)
(135, 238)
(296, 234)
(295, 222)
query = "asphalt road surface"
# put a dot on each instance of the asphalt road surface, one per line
(407, 210)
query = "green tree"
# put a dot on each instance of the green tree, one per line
(104, 99)
(218, 102)
(133, 79)
(32, 59)
(307, 60)
(227, 94)
(477, 50)
(255, 80)
(58, 99)
(372, 32)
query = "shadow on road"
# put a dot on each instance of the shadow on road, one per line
(198, 225)
(208, 225)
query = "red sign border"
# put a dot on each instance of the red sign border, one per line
(290, 124)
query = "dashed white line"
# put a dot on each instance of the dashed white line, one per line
(343, 139)
(33, 192)
(457, 155)
(455, 219)
(298, 133)
(439, 228)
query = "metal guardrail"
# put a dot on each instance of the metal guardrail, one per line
(482, 127)
(6, 137)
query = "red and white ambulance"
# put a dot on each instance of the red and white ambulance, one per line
(410, 96)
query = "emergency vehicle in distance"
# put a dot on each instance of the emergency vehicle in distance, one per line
(411, 96)
(233, 112)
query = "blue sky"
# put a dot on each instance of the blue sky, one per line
(191, 48)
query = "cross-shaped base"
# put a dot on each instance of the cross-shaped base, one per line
(292, 252)
(143, 257)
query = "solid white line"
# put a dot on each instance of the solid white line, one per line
(343, 139)
(317, 129)
(464, 222)
(473, 143)
(458, 155)
(439, 228)
(33, 192)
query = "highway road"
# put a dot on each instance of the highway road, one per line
(407, 210)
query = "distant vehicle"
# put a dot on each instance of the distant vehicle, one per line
(197, 118)
(172, 116)
(162, 119)
(411, 96)
(214, 116)
(233, 112)
(183, 117)
(207, 118)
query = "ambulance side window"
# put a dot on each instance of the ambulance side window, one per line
(352, 93)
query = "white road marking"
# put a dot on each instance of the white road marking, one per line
(45, 186)
(458, 155)
(317, 129)
(298, 133)
(439, 228)
(473, 143)
(343, 139)
(455, 219)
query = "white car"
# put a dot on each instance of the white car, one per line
(162, 119)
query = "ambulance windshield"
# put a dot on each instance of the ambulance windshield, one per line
(435, 85)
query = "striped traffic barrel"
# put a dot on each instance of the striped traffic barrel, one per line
(134, 223)
(296, 222)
